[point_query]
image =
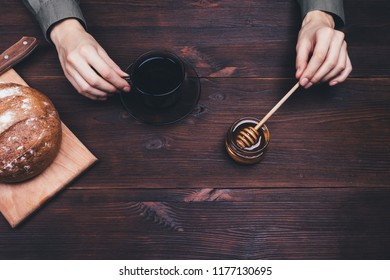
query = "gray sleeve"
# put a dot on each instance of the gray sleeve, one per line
(334, 7)
(49, 12)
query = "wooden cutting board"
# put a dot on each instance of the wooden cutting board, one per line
(18, 201)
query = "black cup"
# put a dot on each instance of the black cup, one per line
(157, 76)
(164, 88)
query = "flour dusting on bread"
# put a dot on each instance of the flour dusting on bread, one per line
(30, 132)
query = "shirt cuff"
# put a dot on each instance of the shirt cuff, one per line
(333, 7)
(54, 11)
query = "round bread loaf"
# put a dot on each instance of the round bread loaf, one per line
(30, 132)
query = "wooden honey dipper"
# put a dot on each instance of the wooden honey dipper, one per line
(250, 135)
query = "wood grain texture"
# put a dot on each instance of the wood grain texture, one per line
(171, 192)
(245, 224)
(17, 53)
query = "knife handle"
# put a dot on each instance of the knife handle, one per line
(17, 52)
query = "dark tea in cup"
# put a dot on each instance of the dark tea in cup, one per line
(157, 76)
(164, 88)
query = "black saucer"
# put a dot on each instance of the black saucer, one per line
(186, 102)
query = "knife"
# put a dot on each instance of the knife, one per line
(17, 52)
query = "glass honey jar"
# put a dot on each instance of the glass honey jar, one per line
(247, 155)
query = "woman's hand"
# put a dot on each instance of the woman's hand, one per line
(321, 51)
(85, 63)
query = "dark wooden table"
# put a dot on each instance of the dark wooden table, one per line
(171, 192)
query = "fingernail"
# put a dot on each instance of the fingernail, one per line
(126, 89)
(333, 83)
(304, 81)
(308, 85)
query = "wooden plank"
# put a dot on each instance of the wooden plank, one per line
(296, 223)
(256, 37)
(18, 201)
